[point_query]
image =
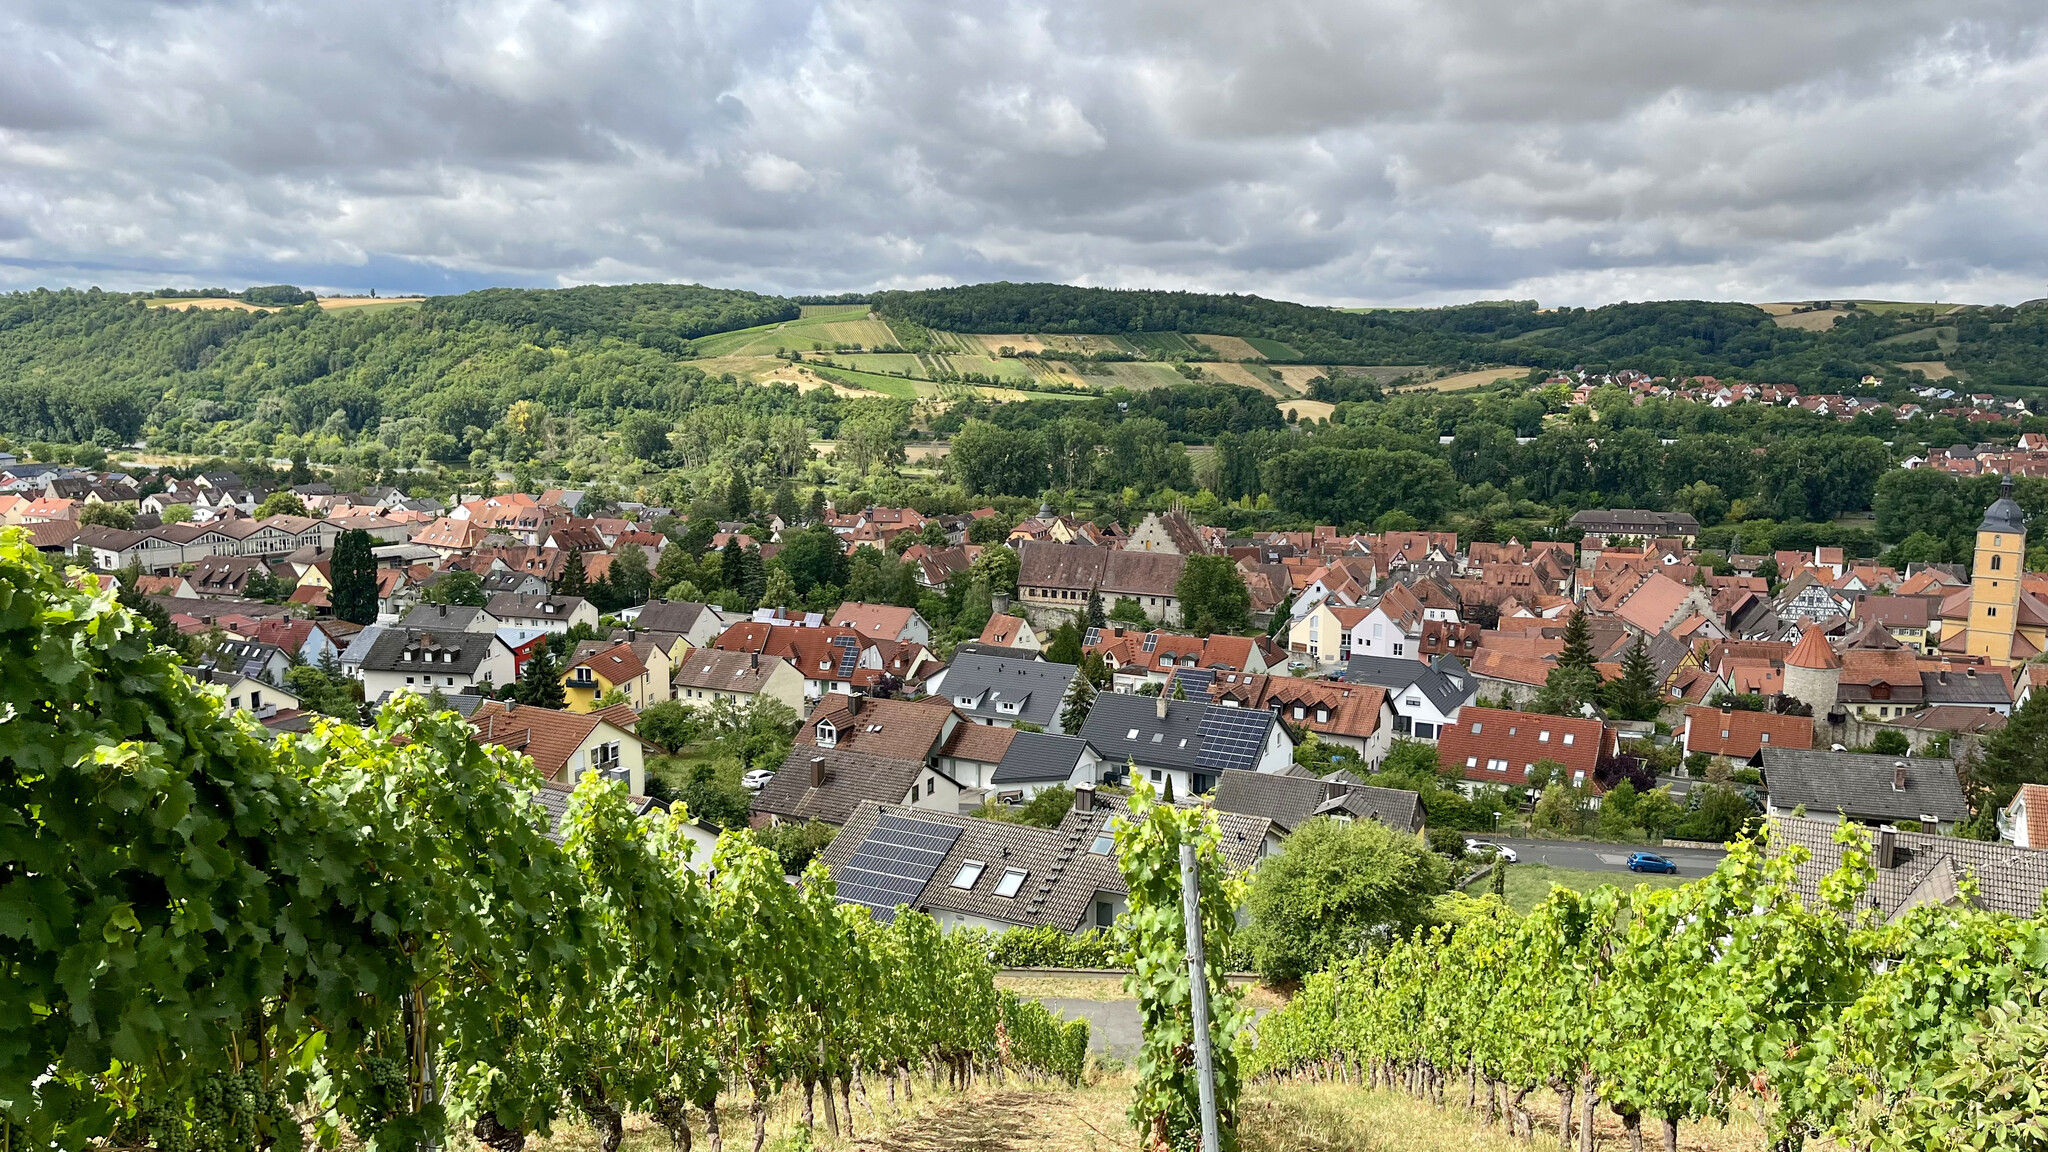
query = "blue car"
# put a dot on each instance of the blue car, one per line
(1650, 862)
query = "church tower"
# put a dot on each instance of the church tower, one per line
(1995, 579)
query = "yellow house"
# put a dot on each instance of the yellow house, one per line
(639, 669)
(1323, 634)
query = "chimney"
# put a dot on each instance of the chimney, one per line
(1899, 776)
(1887, 847)
(753, 659)
(1162, 703)
(1084, 798)
(444, 610)
(817, 771)
(853, 703)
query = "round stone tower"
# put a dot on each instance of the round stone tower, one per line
(1813, 673)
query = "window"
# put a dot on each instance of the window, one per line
(1471, 761)
(1299, 712)
(1496, 765)
(1322, 715)
(828, 735)
(1571, 738)
(1477, 725)
(1424, 731)
(1991, 611)
(1131, 735)
(1012, 882)
(1397, 649)
(1997, 562)
(931, 786)
(1105, 914)
(1103, 843)
(1544, 737)
(1764, 738)
(970, 874)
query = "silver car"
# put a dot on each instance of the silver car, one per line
(1489, 848)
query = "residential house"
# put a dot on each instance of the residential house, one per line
(564, 746)
(1061, 577)
(2024, 822)
(1007, 631)
(422, 661)
(706, 676)
(1185, 743)
(696, 624)
(1494, 746)
(1426, 698)
(854, 749)
(993, 875)
(261, 699)
(637, 669)
(451, 618)
(1353, 716)
(1005, 691)
(1035, 761)
(1140, 658)
(1866, 789)
(548, 613)
(883, 622)
(1290, 801)
(1916, 869)
(1604, 526)
(253, 659)
(1742, 736)
(1169, 532)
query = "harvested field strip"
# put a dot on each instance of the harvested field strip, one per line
(1273, 349)
(887, 385)
(1230, 347)
(1477, 379)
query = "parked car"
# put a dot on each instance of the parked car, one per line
(1651, 862)
(757, 779)
(1489, 848)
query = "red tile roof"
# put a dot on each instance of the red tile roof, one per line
(1741, 735)
(1499, 747)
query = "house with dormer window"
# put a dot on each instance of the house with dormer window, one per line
(1005, 691)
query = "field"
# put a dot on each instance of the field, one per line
(1272, 349)
(820, 328)
(1306, 409)
(1529, 884)
(1936, 370)
(1231, 347)
(210, 303)
(1477, 379)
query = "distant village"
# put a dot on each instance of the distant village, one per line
(1828, 684)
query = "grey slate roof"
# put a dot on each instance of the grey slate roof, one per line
(471, 649)
(1438, 681)
(1860, 785)
(1038, 757)
(1123, 726)
(359, 645)
(1291, 801)
(1064, 875)
(670, 616)
(461, 703)
(1926, 868)
(851, 779)
(1964, 688)
(1036, 686)
(440, 616)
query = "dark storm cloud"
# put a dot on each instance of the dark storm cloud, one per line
(1376, 150)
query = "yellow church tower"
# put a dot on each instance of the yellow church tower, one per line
(1995, 579)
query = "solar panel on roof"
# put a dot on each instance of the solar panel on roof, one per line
(849, 655)
(1231, 737)
(1091, 637)
(1151, 641)
(1196, 681)
(895, 862)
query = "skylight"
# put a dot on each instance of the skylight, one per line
(1012, 882)
(1102, 845)
(970, 874)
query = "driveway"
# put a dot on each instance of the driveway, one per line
(1592, 857)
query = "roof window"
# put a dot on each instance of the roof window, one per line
(969, 874)
(1012, 882)
(1103, 843)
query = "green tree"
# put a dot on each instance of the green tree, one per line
(1336, 889)
(160, 630)
(107, 516)
(1634, 695)
(1095, 617)
(573, 581)
(540, 681)
(629, 578)
(1128, 611)
(2014, 755)
(1578, 642)
(1074, 709)
(176, 514)
(1213, 597)
(670, 724)
(780, 591)
(281, 503)
(814, 556)
(997, 566)
(1064, 644)
(353, 572)
(325, 689)
(457, 587)
(739, 497)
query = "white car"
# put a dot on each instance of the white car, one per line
(757, 779)
(1489, 848)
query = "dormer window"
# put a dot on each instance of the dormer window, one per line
(1322, 715)
(406, 655)
(828, 735)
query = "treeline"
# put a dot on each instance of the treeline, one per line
(661, 316)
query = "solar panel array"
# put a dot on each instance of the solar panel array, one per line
(1195, 681)
(1151, 641)
(895, 862)
(849, 655)
(1231, 737)
(1091, 637)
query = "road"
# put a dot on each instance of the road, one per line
(1591, 857)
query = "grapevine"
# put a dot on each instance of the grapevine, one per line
(212, 940)
(1666, 1006)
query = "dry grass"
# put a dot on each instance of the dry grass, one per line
(1107, 989)
(1231, 373)
(1819, 321)
(1230, 347)
(1477, 379)
(1306, 409)
(1345, 1117)
(1935, 370)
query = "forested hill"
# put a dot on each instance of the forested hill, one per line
(92, 365)
(1997, 347)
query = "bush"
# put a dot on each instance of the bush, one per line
(1449, 841)
(1336, 888)
(1048, 947)
(796, 844)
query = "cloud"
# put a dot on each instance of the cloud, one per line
(1395, 151)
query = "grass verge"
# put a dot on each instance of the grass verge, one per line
(1529, 884)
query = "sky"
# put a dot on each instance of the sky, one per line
(1397, 152)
